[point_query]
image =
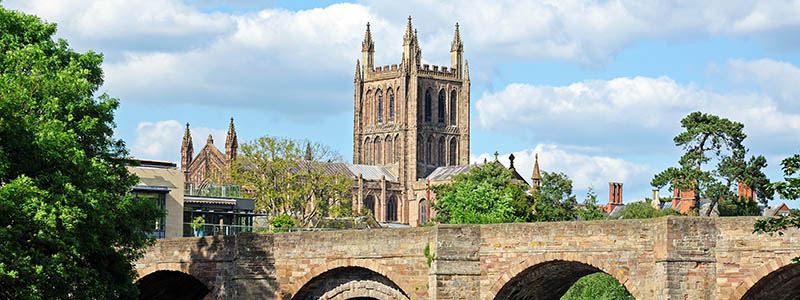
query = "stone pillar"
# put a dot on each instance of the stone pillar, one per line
(456, 268)
(685, 263)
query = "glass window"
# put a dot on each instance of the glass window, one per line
(423, 212)
(441, 107)
(380, 107)
(160, 200)
(427, 106)
(391, 106)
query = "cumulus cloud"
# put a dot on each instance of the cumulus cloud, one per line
(776, 78)
(162, 140)
(300, 63)
(629, 112)
(584, 170)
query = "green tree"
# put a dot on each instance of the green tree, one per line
(643, 210)
(710, 138)
(485, 194)
(597, 286)
(68, 227)
(589, 210)
(276, 175)
(788, 189)
(553, 200)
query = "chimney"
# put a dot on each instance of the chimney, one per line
(656, 203)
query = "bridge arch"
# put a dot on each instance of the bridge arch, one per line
(778, 279)
(170, 284)
(550, 269)
(348, 280)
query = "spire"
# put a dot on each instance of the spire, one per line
(535, 178)
(410, 34)
(308, 156)
(456, 45)
(358, 70)
(187, 149)
(231, 142)
(210, 140)
(367, 45)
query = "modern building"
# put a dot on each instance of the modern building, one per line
(161, 181)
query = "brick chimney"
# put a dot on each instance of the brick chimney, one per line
(745, 191)
(614, 196)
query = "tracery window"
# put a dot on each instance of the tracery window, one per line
(440, 151)
(391, 209)
(441, 106)
(453, 103)
(380, 107)
(427, 106)
(391, 106)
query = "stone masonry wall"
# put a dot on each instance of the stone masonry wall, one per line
(664, 258)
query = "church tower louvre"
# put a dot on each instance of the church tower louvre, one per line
(411, 117)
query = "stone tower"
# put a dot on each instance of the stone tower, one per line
(410, 117)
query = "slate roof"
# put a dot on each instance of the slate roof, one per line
(446, 173)
(367, 172)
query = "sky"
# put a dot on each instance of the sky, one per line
(596, 88)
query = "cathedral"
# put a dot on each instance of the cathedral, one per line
(410, 131)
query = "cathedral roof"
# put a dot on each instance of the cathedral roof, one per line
(352, 170)
(446, 173)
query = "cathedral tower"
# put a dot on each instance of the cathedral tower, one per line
(411, 117)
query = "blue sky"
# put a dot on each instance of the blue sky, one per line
(596, 88)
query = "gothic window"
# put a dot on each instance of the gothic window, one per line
(367, 151)
(429, 151)
(440, 151)
(378, 151)
(391, 106)
(427, 106)
(453, 102)
(380, 107)
(423, 212)
(389, 155)
(453, 151)
(391, 209)
(420, 149)
(441, 106)
(369, 204)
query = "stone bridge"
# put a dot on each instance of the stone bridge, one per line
(664, 258)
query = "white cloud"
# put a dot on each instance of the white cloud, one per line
(776, 78)
(162, 140)
(584, 170)
(634, 112)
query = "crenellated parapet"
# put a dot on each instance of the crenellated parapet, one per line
(438, 71)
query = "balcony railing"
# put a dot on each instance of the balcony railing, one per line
(212, 190)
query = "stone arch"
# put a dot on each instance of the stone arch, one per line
(429, 151)
(366, 151)
(378, 148)
(440, 152)
(422, 214)
(575, 266)
(778, 279)
(388, 147)
(171, 284)
(363, 275)
(453, 151)
(369, 203)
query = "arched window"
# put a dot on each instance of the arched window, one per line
(423, 212)
(378, 151)
(427, 106)
(441, 106)
(380, 107)
(369, 204)
(420, 148)
(453, 155)
(391, 106)
(429, 151)
(391, 209)
(453, 105)
(440, 151)
(388, 150)
(366, 150)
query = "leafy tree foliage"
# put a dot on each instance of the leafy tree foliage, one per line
(589, 211)
(553, 200)
(739, 207)
(486, 194)
(710, 138)
(643, 210)
(68, 227)
(274, 172)
(788, 189)
(597, 286)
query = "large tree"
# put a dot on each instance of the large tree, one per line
(277, 175)
(553, 199)
(68, 228)
(706, 139)
(485, 194)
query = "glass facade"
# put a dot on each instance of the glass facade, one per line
(159, 231)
